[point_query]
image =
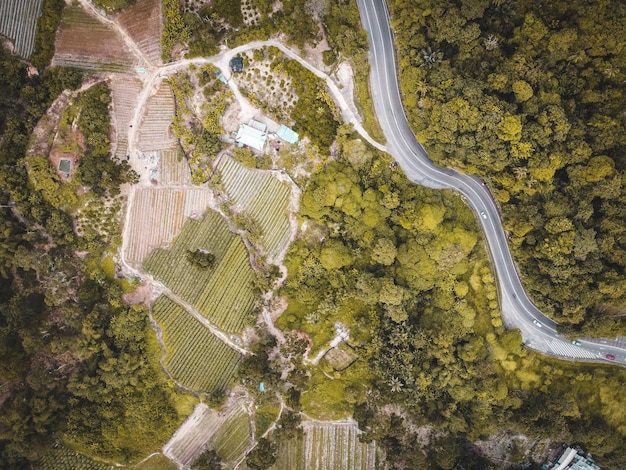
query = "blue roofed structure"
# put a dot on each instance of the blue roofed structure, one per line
(251, 137)
(288, 134)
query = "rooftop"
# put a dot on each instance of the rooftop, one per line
(236, 64)
(251, 137)
(288, 134)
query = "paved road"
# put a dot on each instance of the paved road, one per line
(538, 331)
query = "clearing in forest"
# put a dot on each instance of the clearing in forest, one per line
(262, 196)
(223, 293)
(142, 21)
(195, 357)
(157, 216)
(18, 22)
(327, 446)
(84, 42)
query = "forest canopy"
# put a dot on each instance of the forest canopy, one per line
(530, 97)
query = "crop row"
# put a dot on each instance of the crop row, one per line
(18, 21)
(95, 45)
(195, 357)
(263, 197)
(155, 132)
(124, 93)
(233, 436)
(157, 217)
(59, 456)
(191, 438)
(89, 64)
(173, 168)
(142, 21)
(327, 446)
(222, 293)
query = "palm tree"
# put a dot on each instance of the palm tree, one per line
(396, 384)
(430, 57)
(491, 42)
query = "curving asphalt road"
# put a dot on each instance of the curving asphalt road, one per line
(518, 311)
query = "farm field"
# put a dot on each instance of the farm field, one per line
(157, 216)
(82, 41)
(264, 197)
(191, 438)
(327, 446)
(233, 437)
(62, 457)
(124, 94)
(142, 21)
(18, 22)
(195, 357)
(223, 293)
(173, 168)
(228, 435)
(156, 127)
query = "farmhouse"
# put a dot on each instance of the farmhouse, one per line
(236, 64)
(252, 135)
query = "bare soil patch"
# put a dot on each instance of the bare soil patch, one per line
(84, 36)
(142, 21)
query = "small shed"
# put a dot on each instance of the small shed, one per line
(236, 64)
(65, 166)
(288, 134)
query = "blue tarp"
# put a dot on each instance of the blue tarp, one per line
(288, 134)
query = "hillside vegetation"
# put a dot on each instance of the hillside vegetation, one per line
(403, 269)
(531, 96)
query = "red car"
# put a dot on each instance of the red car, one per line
(610, 357)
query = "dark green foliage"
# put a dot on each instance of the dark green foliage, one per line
(98, 170)
(200, 259)
(47, 24)
(208, 460)
(288, 426)
(313, 114)
(386, 259)
(71, 351)
(263, 455)
(531, 98)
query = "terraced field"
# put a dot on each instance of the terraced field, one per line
(124, 93)
(157, 216)
(264, 197)
(84, 42)
(327, 446)
(155, 132)
(18, 22)
(142, 21)
(224, 293)
(195, 357)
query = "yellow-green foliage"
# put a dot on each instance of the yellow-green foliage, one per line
(44, 179)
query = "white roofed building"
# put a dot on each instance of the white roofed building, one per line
(252, 135)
